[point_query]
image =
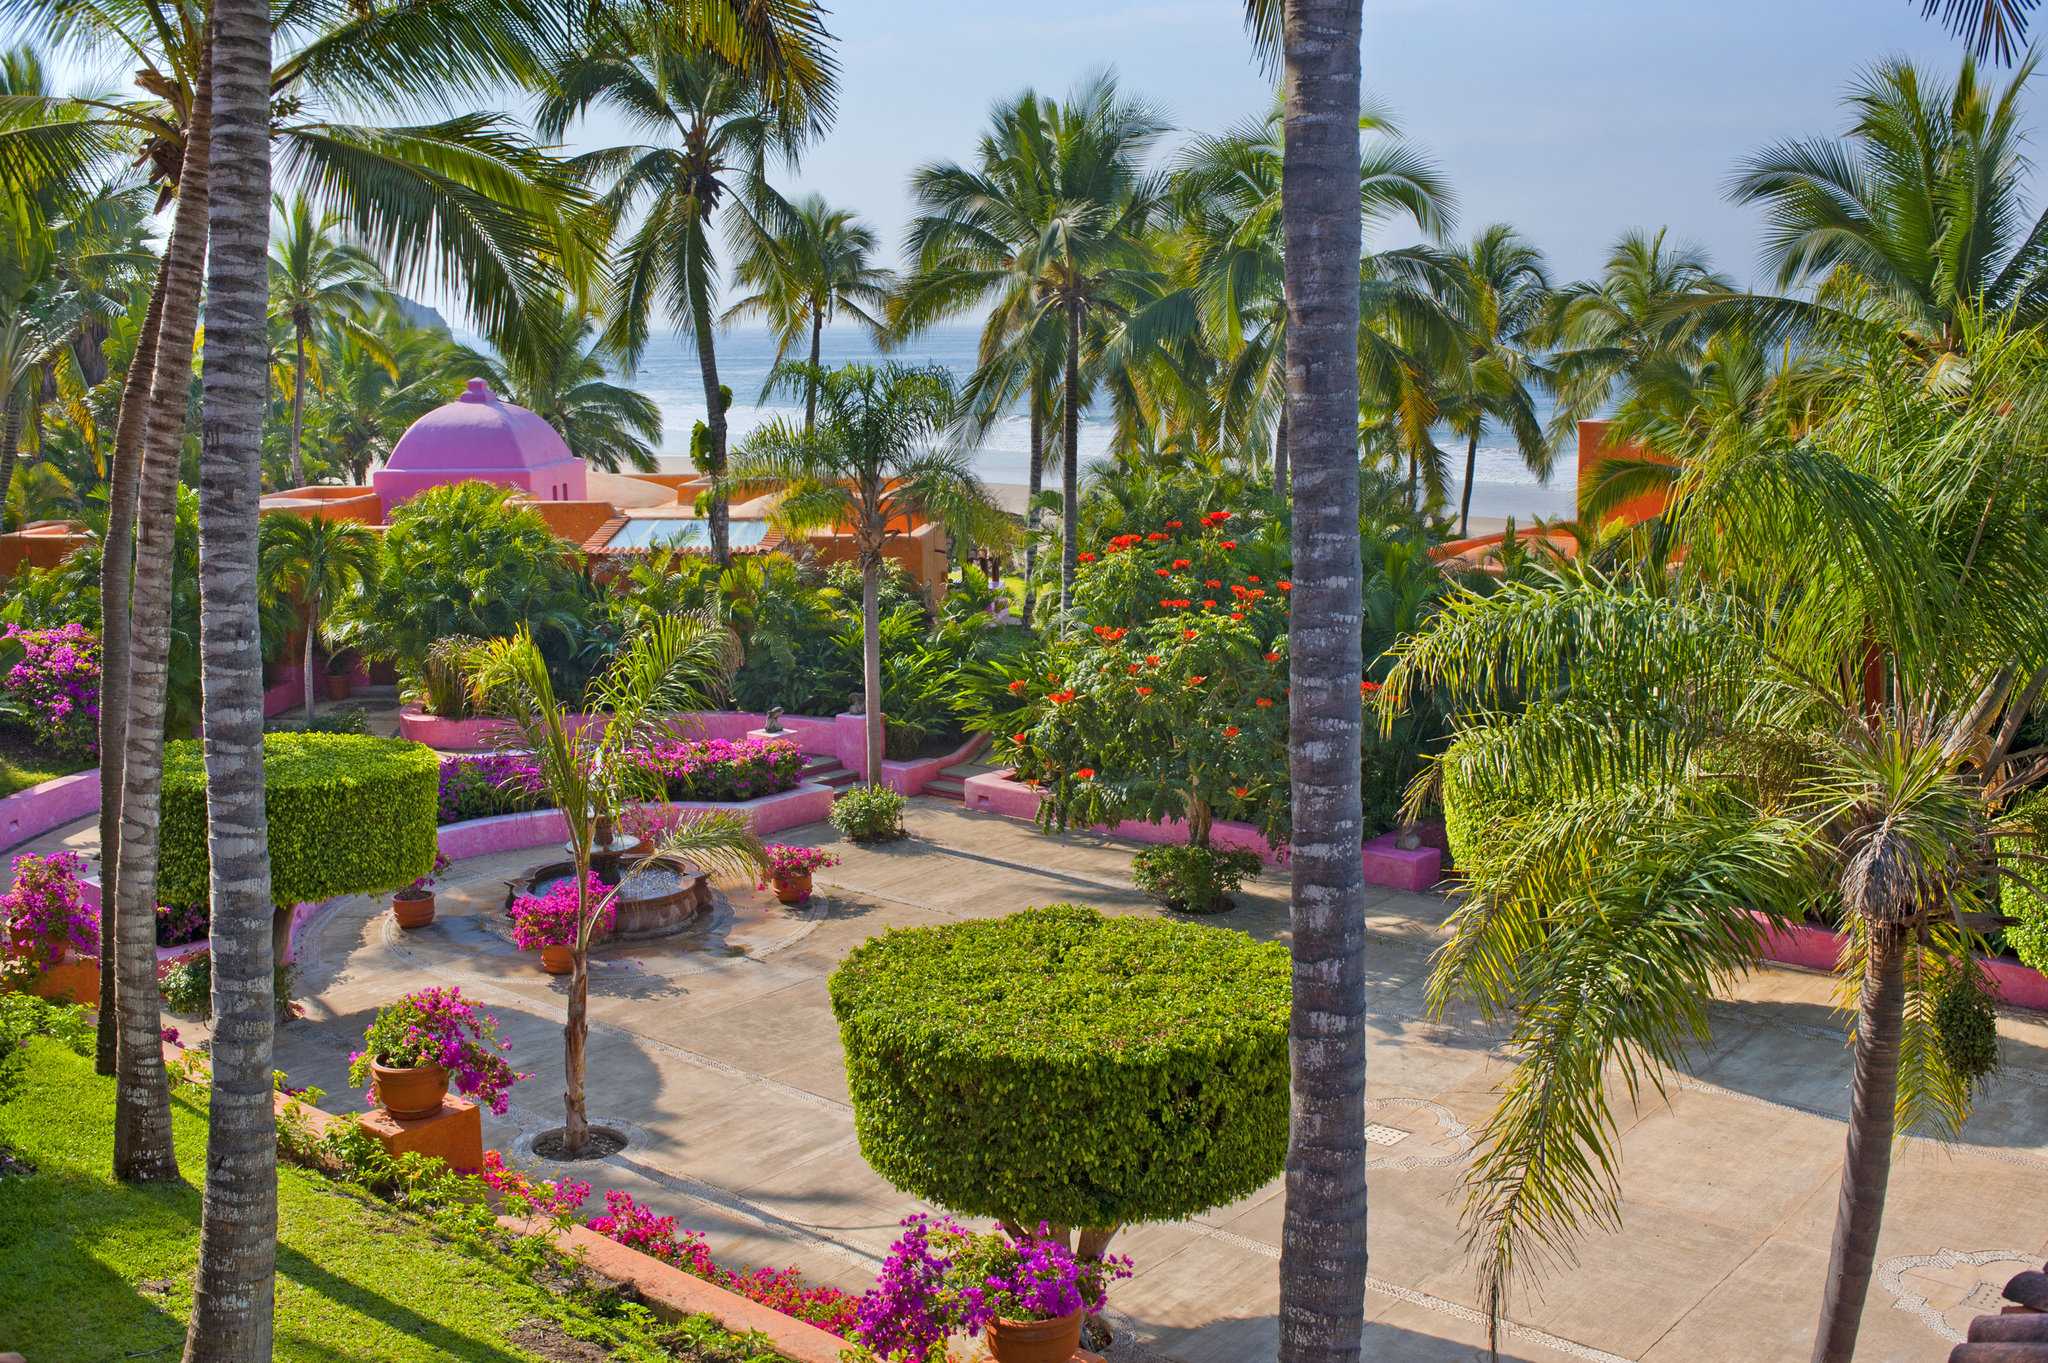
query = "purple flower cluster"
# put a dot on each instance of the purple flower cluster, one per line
(437, 1027)
(722, 769)
(941, 1279)
(45, 910)
(54, 688)
(474, 786)
(551, 920)
(177, 924)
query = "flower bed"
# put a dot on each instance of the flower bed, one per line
(723, 770)
(479, 785)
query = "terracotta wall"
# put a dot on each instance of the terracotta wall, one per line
(328, 503)
(1594, 447)
(573, 521)
(43, 545)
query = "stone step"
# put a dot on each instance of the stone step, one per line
(946, 788)
(839, 778)
(963, 770)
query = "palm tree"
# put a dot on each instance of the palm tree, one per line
(1992, 28)
(676, 663)
(316, 280)
(232, 1297)
(557, 368)
(1913, 221)
(1322, 1238)
(374, 392)
(1499, 295)
(313, 563)
(873, 463)
(1049, 226)
(1818, 706)
(816, 266)
(712, 131)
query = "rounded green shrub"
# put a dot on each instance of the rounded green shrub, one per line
(2021, 894)
(1060, 1066)
(1192, 879)
(868, 814)
(1467, 816)
(348, 814)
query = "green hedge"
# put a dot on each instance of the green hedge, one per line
(1466, 817)
(1061, 1066)
(348, 814)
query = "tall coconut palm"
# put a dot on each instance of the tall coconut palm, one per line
(1992, 28)
(313, 563)
(676, 663)
(876, 462)
(816, 266)
(1499, 292)
(231, 1318)
(374, 392)
(711, 132)
(556, 367)
(1048, 227)
(1818, 707)
(316, 280)
(1322, 1238)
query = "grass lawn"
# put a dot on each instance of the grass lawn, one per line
(92, 1270)
(22, 764)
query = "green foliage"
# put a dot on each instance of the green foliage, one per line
(1966, 1024)
(869, 814)
(348, 814)
(187, 986)
(1193, 879)
(1059, 1065)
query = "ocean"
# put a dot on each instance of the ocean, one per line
(669, 374)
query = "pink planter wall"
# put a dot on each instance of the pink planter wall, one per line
(910, 778)
(33, 812)
(1815, 948)
(807, 803)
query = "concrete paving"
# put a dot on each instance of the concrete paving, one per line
(717, 1054)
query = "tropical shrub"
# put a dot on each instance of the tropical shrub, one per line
(45, 910)
(1193, 879)
(348, 814)
(178, 924)
(51, 687)
(869, 814)
(1057, 1065)
(718, 769)
(442, 687)
(551, 919)
(187, 987)
(478, 785)
(439, 1027)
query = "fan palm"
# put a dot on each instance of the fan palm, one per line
(317, 281)
(313, 563)
(874, 462)
(711, 131)
(815, 266)
(675, 663)
(1047, 227)
(1499, 293)
(374, 391)
(557, 367)
(1816, 711)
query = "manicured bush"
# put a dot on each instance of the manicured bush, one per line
(1193, 879)
(1060, 1066)
(2023, 894)
(347, 813)
(1467, 815)
(869, 814)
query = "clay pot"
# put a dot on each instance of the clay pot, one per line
(338, 685)
(794, 888)
(557, 960)
(57, 949)
(415, 1091)
(411, 909)
(1035, 1341)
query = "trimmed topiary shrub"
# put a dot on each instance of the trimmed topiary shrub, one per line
(1193, 879)
(868, 814)
(1060, 1066)
(348, 814)
(1466, 816)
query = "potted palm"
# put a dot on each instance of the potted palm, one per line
(547, 923)
(413, 906)
(339, 679)
(414, 1047)
(790, 869)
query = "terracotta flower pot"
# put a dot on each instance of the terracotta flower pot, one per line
(557, 960)
(793, 888)
(57, 949)
(338, 685)
(414, 1091)
(412, 909)
(1035, 1341)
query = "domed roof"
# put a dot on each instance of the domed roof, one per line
(477, 433)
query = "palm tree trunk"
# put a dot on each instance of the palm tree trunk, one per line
(714, 424)
(811, 383)
(1867, 1165)
(311, 620)
(1322, 1244)
(142, 1116)
(1280, 469)
(117, 564)
(576, 1025)
(1070, 465)
(1031, 500)
(871, 660)
(299, 415)
(232, 1300)
(1465, 502)
(10, 448)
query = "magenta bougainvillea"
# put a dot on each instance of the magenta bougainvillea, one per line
(785, 861)
(550, 920)
(53, 688)
(721, 769)
(439, 1027)
(45, 910)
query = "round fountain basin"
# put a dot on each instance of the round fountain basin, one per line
(657, 898)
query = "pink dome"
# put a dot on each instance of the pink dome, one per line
(480, 437)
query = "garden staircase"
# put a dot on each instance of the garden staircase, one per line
(951, 784)
(828, 771)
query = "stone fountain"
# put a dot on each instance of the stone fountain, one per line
(659, 896)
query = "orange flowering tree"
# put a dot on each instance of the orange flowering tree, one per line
(1169, 701)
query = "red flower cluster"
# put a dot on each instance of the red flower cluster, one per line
(1084, 774)
(1214, 518)
(1366, 688)
(1230, 731)
(1158, 535)
(1173, 525)
(1109, 633)
(1060, 697)
(1183, 563)
(1121, 542)
(1264, 702)
(1174, 603)
(1085, 557)
(1226, 544)
(1018, 685)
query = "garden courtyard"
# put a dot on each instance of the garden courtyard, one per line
(717, 1055)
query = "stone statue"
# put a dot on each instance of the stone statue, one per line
(774, 724)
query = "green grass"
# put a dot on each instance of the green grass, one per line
(22, 764)
(91, 1269)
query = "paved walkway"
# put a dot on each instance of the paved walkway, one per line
(717, 1053)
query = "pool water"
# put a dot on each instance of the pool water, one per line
(682, 532)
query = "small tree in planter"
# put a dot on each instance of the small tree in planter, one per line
(675, 663)
(549, 923)
(414, 1047)
(1062, 1067)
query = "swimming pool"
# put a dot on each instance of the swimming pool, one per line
(682, 532)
